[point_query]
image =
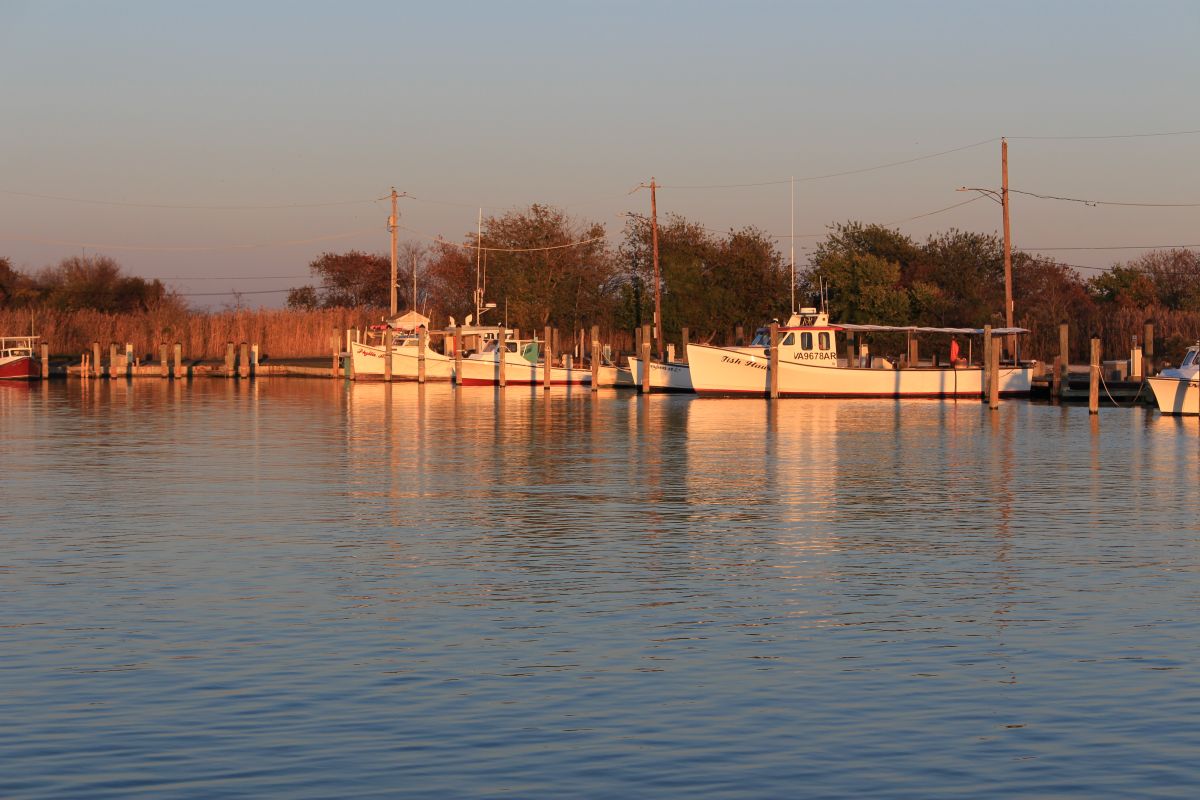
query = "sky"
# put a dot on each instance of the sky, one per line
(223, 146)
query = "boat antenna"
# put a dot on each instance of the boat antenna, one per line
(792, 239)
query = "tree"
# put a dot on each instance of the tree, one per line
(96, 282)
(303, 298)
(968, 268)
(353, 279)
(860, 267)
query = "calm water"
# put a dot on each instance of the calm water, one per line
(305, 589)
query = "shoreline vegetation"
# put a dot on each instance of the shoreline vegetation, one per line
(542, 269)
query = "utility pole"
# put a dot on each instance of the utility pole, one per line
(392, 222)
(658, 326)
(1008, 298)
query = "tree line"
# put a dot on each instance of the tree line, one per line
(542, 267)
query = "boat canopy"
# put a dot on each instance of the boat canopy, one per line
(917, 329)
(409, 321)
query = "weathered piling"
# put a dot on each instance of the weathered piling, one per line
(244, 361)
(458, 355)
(387, 356)
(773, 369)
(548, 361)
(1148, 348)
(335, 342)
(1094, 377)
(178, 361)
(684, 341)
(501, 359)
(97, 369)
(987, 363)
(45, 359)
(164, 364)
(994, 377)
(644, 355)
(596, 357)
(422, 343)
(1064, 358)
(1056, 378)
(229, 359)
(112, 360)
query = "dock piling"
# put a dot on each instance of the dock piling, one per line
(596, 357)
(244, 361)
(1094, 377)
(773, 369)
(422, 343)
(45, 354)
(178, 361)
(229, 359)
(684, 341)
(547, 361)
(501, 358)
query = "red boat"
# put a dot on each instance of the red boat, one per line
(17, 361)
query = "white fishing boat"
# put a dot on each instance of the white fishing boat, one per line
(369, 358)
(17, 360)
(809, 366)
(670, 376)
(1177, 390)
(521, 363)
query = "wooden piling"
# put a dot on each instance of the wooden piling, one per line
(595, 357)
(422, 344)
(773, 369)
(1148, 348)
(229, 359)
(178, 361)
(387, 355)
(1056, 378)
(336, 342)
(164, 363)
(458, 344)
(547, 361)
(254, 352)
(994, 376)
(644, 355)
(987, 362)
(1094, 378)
(914, 350)
(244, 361)
(501, 359)
(45, 354)
(352, 336)
(684, 341)
(112, 359)
(1064, 358)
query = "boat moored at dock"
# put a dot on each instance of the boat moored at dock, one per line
(1177, 390)
(17, 359)
(809, 366)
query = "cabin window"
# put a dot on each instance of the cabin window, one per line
(789, 340)
(806, 340)
(510, 347)
(1189, 358)
(823, 340)
(762, 338)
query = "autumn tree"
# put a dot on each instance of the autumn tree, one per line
(96, 282)
(348, 280)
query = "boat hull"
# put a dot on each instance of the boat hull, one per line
(672, 376)
(717, 371)
(18, 368)
(368, 363)
(614, 376)
(518, 372)
(1176, 395)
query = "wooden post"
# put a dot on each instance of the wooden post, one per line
(739, 336)
(254, 351)
(244, 361)
(1094, 378)
(547, 360)
(646, 365)
(637, 342)
(994, 377)
(501, 359)
(1056, 378)
(178, 361)
(45, 354)
(987, 362)
(352, 336)
(96, 359)
(596, 357)
(336, 342)
(458, 344)
(85, 367)
(422, 344)
(773, 368)
(387, 339)
(1148, 348)
(1064, 357)
(112, 359)
(684, 338)
(164, 364)
(229, 359)
(914, 350)
(671, 353)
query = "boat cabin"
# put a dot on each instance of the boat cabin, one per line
(808, 337)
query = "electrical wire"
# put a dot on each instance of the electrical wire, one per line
(471, 247)
(197, 249)
(171, 206)
(1103, 202)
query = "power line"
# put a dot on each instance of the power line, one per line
(1113, 136)
(187, 249)
(441, 240)
(1118, 247)
(1104, 202)
(232, 291)
(170, 206)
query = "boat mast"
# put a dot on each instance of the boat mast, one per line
(792, 239)
(658, 325)
(392, 220)
(1008, 298)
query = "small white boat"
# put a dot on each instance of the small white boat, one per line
(521, 365)
(670, 376)
(1177, 391)
(17, 359)
(368, 359)
(809, 366)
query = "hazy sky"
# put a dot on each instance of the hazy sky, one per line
(225, 145)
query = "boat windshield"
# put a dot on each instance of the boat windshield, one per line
(762, 338)
(1190, 358)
